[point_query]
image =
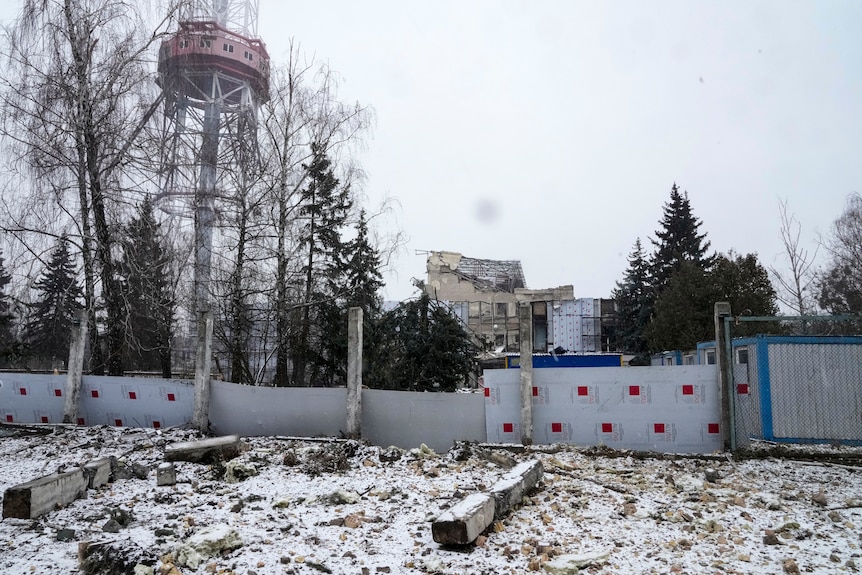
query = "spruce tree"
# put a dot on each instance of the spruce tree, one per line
(145, 268)
(634, 304)
(48, 333)
(363, 279)
(683, 313)
(357, 284)
(324, 206)
(677, 241)
(744, 282)
(421, 347)
(7, 319)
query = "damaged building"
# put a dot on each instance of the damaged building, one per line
(484, 294)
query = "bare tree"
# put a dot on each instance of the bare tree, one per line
(77, 92)
(796, 281)
(840, 285)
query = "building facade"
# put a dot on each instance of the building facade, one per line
(485, 295)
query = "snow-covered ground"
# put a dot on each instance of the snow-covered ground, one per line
(312, 506)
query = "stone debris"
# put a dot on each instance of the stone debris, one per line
(166, 474)
(572, 564)
(348, 507)
(209, 541)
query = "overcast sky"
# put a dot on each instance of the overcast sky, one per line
(551, 131)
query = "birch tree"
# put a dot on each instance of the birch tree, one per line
(77, 91)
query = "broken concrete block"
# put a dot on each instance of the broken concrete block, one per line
(465, 521)
(34, 498)
(166, 474)
(98, 472)
(512, 486)
(572, 564)
(206, 450)
(210, 541)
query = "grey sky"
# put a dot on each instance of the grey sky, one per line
(552, 131)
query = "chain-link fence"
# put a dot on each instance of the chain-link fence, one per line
(794, 379)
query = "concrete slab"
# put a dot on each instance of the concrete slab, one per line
(98, 472)
(465, 521)
(205, 450)
(34, 498)
(511, 487)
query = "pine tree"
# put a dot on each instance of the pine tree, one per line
(677, 241)
(48, 333)
(634, 303)
(150, 304)
(7, 319)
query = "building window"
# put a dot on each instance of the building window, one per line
(502, 310)
(205, 43)
(183, 44)
(474, 311)
(248, 55)
(742, 355)
(710, 357)
(227, 47)
(540, 326)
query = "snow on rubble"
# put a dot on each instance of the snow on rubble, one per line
(309, 506)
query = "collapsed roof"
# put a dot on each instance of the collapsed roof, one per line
(497, 275)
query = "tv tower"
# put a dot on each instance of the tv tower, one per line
(214, 73)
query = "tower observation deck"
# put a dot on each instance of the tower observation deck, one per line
(202, 51)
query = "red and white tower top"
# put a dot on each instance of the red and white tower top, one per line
(217, 36)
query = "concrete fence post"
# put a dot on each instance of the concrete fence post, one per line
(203, 358)
(525, 318)
(723, 359)
(354, 372)
(75, 369)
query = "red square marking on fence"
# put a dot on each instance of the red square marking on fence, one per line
(118, 422)
(607, 428)
(688, 390)
(9, 419)
(156, 425)
(44, 419)
(58, 393)
(634, 390)
(94, 393)
(712, 428)
(556, 428)
(583, 390)
(133, 395)
(80, 421)
(487, 393)
(658, 427)
(172, 397)
(742, 389)
(23, 391)
(535, 392)
(508, 428)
